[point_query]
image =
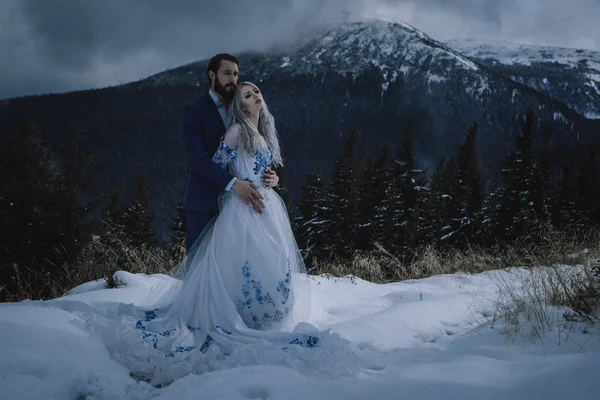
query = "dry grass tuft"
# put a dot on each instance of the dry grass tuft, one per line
(536, 302)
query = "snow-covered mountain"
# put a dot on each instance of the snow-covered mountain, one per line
(571, 76)
(393, 48)
(373, 76)
(356, 48)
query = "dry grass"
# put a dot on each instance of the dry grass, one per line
(545, 246)
(99, 259)
(381, 266)
(536, 302)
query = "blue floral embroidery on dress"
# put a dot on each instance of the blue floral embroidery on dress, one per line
(154, 337)
(224, 155)
(251, 284)
(223, 330)
(284, 285)
(182, 349)
(150, 315)
(311, 341)
(262, 161)
(253, 293)
(206, 344)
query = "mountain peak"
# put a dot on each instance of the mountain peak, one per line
(392, 46)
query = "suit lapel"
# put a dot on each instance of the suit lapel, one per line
(213, 113)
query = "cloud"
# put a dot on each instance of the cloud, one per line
(62, 45)
(560, 23)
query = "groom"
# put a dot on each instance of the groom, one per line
(204, 123)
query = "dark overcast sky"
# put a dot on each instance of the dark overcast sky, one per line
(62, 45)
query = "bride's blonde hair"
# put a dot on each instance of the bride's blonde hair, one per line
(251, 137)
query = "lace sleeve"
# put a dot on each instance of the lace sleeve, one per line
(226, 152)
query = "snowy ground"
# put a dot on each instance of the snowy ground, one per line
(423, 339)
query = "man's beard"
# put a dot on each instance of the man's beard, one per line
(223, 92)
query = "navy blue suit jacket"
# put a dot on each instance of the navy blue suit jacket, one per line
(202, 132)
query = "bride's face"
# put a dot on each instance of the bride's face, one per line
(252, 101)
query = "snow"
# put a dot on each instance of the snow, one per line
(428, 339)
(393, 47)
(384, 87)
(592, 115)
(520, 54)
(559, 116)
(435, 78)
(285, 62)
(527, 64)
(593, 85)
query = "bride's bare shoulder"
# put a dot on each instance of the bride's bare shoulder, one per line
(231, 136)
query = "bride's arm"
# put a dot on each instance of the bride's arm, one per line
(226, 152)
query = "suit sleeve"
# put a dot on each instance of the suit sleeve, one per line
(194, 139)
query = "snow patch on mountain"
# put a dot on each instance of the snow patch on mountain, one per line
(527, 55)
(356, 46)
(435, 78)
(559, 117)
(571, 76)
(391, 47)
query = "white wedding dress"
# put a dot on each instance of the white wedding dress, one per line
(242, 299)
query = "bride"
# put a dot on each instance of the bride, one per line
(242, 293)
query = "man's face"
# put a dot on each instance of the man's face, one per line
(225, 80)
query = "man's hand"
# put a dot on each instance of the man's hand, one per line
(270, 177)
(246, 191)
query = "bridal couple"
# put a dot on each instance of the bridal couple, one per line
(243, 293)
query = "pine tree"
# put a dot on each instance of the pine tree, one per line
(541, 193)
(313, 212)
(465, 193)
(516, 204)
(366, 186)
(588, 187)
(136, 218)
(178, 224)
(73, 181)
(491, 210)
(437, 220)
(406, 207)
(383, 188)
(112, 212)
(284, 193)
(25, 193)
(342, 215)
(564, 210)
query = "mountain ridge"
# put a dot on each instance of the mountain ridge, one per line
(318, 93)
(571, 76)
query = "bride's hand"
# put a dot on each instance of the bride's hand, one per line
(271, 178)
(247, 192)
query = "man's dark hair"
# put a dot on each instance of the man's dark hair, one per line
(215, 63)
